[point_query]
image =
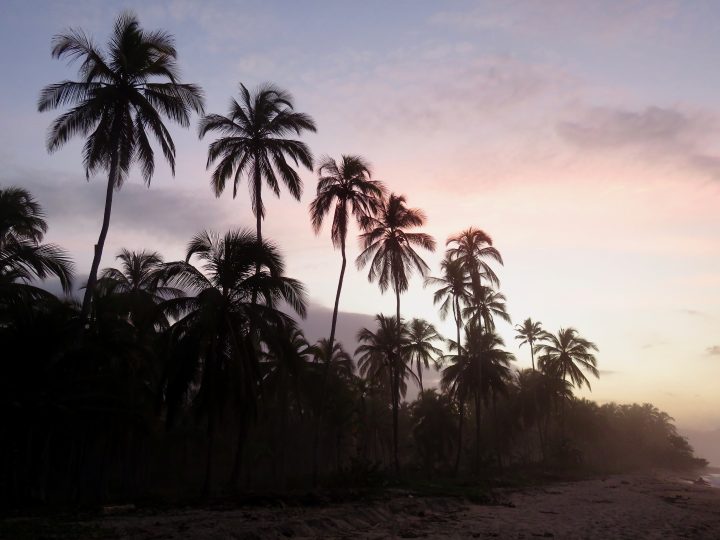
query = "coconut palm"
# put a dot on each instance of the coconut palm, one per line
(136, 285)
(120, 98)
(567, 355)
(485, 306)
(529, 332)
(464, 376)
(454, 290)
(212, 335)
(388, 248)
(340, 362)
(252, 142)
(378, 360)
(472, 247)
(420, 349)
(350, 188)
(23, 256)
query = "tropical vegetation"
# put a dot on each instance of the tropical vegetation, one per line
(194, 376)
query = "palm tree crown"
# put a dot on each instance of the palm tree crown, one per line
(23, 256)
(420, 348)
(471, 247)
(528, 333)
(253, 143)
(388, 246)
(349, 185)
(567, 355)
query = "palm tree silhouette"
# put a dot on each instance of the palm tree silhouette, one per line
(253, 143)
(529, 332)
(454, 290)
(379, 360)
(349, 186)
(567, 355)
(117, 101)
(471, 247)
(464, 376)
(486, 304)
(420, 349)
(388, 248)
(136, 284)
(213, 323)
(23, 256)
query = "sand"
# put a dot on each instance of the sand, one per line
(628, 506)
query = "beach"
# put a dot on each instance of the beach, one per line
(644, 506)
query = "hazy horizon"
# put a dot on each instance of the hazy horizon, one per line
(593, 166)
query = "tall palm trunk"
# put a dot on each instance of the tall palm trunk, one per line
(210, 430)
(461, 410)
(257, 180)
(97, 255)
(478, 407)
(396, 382)
(419, 374)
(242, 428)
(331, 342)
(532, 355)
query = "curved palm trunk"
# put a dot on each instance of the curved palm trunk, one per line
(337, 295)
(419, 374)
(97, 256)
(331, 343)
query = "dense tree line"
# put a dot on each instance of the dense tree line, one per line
(194, 376)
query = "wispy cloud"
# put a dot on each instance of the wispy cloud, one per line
(656, 133)
(713, 350)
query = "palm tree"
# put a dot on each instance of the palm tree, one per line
(378, 360)
(464, 375)
(471, 247)
(536, 394)
(23, 256)
(339, 361)
(388, 247)
(350, 187)
(253, 143)
(454, 290)
(137, 284)
(486, 304)
(212, 333)
(529, 332)
(123, 93)
(420, 349)
(567, 355)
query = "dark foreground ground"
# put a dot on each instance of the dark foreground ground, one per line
(644, 506)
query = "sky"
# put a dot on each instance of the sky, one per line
(582, 136)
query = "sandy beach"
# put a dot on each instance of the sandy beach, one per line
(628, 506)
